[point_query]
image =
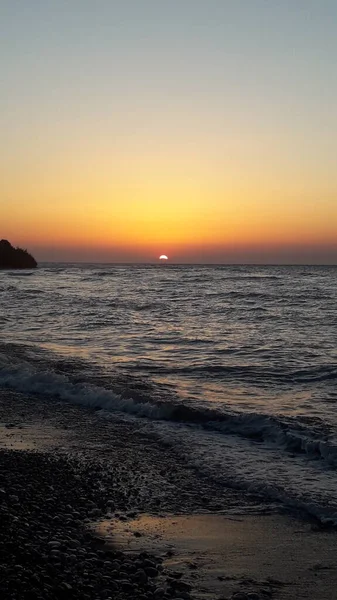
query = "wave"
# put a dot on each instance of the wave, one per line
(32, 292)
(252, 277)
(24, 377)
(247, 294)
(99, 274)
(253, 374)
(20, 273)
(190, 428)
(320, 374)
(288, 434)
(9, 288)
(54, 270)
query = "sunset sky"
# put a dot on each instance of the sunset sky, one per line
(202, 129)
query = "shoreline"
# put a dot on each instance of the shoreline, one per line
(125, 477)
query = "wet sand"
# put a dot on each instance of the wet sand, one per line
(148, 500)
(268, 554)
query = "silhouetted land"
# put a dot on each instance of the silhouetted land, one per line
(15, 258)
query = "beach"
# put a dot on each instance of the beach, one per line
(94, 508)
(168, 433)
(168, 300)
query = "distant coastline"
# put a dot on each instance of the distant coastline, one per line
(15, 258)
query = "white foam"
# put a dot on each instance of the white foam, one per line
(237, 462)
(24, 377)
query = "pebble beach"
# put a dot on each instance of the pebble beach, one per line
(64, 470)
(52, 490)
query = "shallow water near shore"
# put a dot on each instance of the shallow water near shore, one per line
(236, 367)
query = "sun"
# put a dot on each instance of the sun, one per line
(163, 257)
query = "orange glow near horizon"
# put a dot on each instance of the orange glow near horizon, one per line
(180, 215)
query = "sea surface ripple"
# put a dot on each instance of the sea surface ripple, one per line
(235, 365)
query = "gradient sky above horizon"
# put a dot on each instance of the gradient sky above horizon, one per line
(201, 129)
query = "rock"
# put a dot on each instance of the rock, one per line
(151, 572)
(126, 585)
(140, 576)
(239, 596)
(113, 585)
(149, 563)
(14, 499)
(15, 258)
(66, 586)
(176, 574)
(74, 544)
(182, 586)
(54, 544)
(114, 574)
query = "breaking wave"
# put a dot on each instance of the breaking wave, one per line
(289, 434)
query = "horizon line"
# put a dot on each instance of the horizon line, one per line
(180, 264)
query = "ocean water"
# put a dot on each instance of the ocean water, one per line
(236, 366)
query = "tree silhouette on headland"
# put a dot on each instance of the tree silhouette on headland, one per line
(15, 258)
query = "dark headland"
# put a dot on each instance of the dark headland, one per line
(15, 258)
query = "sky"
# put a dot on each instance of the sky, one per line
(205, 130)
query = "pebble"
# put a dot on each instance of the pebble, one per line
(141, 576)
(182, 586)
(151, 571)
(159, 591)
(54, 544)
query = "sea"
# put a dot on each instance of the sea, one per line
(234, 366)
